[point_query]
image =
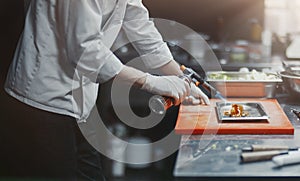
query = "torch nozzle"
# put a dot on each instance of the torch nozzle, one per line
(198, 80)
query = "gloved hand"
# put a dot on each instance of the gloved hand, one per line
(197, 96)
(171, 86)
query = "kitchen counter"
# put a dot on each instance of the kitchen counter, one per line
(219, 155)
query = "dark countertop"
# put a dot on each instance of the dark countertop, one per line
(219, 155)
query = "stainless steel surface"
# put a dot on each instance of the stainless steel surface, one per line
(223, 157)
(291, 83)
(255, 110)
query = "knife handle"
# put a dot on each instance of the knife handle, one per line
(289, 159)
(297, 113)
(268, 147)
(260, 155)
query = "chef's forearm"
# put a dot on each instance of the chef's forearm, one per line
(132, 76)
(171, 68)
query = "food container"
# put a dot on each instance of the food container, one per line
(244, 84)
(291, 82)
(255, 111)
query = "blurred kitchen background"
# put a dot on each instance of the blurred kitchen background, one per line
(256, 34)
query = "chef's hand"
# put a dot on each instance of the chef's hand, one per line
(197, 96)
(171, 86)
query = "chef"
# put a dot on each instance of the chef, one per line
(65, 47)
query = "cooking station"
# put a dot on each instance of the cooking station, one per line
(219, 155)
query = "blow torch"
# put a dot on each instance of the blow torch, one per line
(159, 104)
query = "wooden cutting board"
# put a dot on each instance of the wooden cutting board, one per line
(200, 119)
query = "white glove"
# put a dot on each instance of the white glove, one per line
(197, 96)
(171, 86)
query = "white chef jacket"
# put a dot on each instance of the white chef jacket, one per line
(64, 52)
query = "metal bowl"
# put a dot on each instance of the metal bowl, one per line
(291, 83)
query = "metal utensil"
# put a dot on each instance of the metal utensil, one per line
(255, 110)
(253, 148)
(291, 83)
(260, 155)
(294, 71)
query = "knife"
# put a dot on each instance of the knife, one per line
(253, 148)
(261, 155)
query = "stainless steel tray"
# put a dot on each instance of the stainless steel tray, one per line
(232, 76)
(255, 110)
(244, 84)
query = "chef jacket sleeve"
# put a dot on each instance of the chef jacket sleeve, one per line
(83, 39)
(144, 36)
